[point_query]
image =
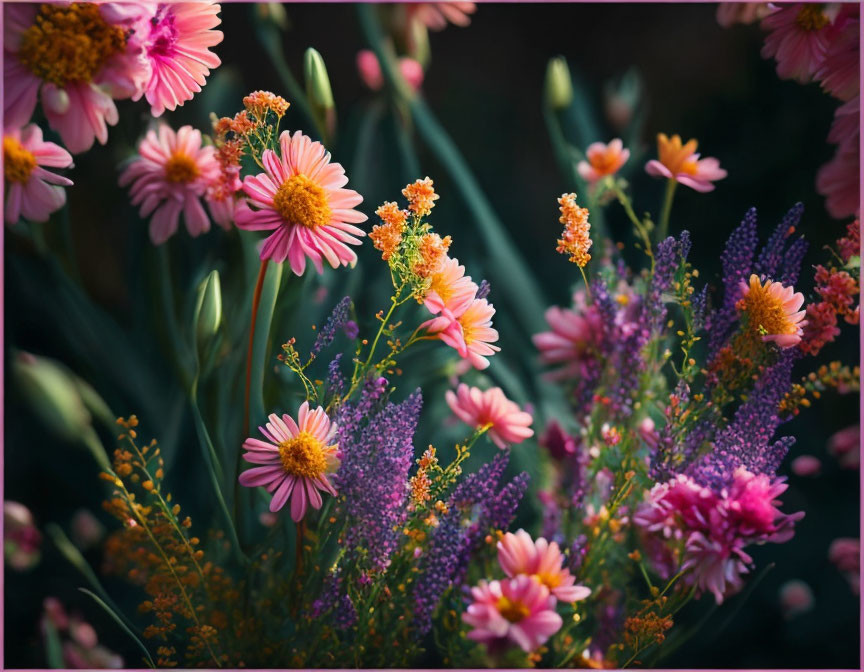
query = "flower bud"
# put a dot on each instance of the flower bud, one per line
(317, 82)
(210, 310)
(559, 85)
(273, 12)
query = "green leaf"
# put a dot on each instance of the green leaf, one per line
(119, 621)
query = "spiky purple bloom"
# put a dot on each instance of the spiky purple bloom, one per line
(483, 289)
(336, 321)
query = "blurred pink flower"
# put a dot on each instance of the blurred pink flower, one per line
(519, 554)
(559, 444)
(469, 333)
(169, 176)
(845, 446)
(603, 160)
(796, 597)
(79, 644)
(297, 459)
(301, 196)
(572, 341)
(32, 191)
(845, 554)
(87, 531)
(806, 465)
(21, 538)
(78, 58)
(838, 182)
(507, 423)
(730, 13)
(518, 610)
(839, 72)
(797, 38)
(370, 70)
(436, 15)
(680, 162)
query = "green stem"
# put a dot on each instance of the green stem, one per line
(180, 353)
(663, 229)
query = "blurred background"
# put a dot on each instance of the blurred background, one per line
(485, 84)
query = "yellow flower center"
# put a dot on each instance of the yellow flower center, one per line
(69, 43)
(302, 201)
(303, 456)
(811, 17)
(18, 163)
(181, 168)
(513, 611)
(765, 313)
(551, 581)
(674, 154)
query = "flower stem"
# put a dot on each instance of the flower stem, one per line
(256, 300)
(663, 228)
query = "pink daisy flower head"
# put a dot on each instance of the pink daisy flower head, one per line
(572, 340)
(450, 289)
(78, 57)
(603, 160)
(839, 71)
(32, 191)
(301, 197)
(178, 42)
(507, 423)
(170, 176)
(772, 311)
(797, 38)
(518, 610)
(519, 554)
(680, 161)
(469, 333)
(296, 460)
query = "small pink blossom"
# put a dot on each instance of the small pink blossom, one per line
(796, 598)
(845, 446)
(490, 408)
(559, 444)
(519, 554)
(518, 610)
(370, 71)
(845, 554)
(603, 160)
(470, 332)
(806, 465)
(22, 540)
(680, 162)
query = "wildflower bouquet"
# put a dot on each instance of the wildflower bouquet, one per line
(317, 481)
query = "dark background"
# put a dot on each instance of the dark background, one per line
(485, 85)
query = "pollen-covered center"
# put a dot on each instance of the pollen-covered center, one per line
(181, 168)
(69, 43)
(513, 610)
(18, 163)
(764, 312)
(302, 201)
(303, 456)
(811, 17)
(551, 579)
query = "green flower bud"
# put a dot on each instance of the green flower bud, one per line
(559, 84)
(317, 82)
(210, 309)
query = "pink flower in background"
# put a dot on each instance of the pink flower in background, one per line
(845, 446)
(678, 161)
(845, 554)
(178, 40)
(450, 289)
(730, 13)
(297, 459)
(838, 182)
(169, 177)
(518, 610)
(839, 72)
(469, 333)
(301, 196)
(507, 423)
(80, 646)
(370, 71)
(603, 160)
(806, 465)
(572, 342)
(79, 58)
(519, 554)
(797, 38)
(32, 191)
(559, 444)
(796, 598)
(436, 15)
(22, 540)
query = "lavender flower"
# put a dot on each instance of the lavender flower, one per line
(338, 320)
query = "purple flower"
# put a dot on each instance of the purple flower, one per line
(338, 320)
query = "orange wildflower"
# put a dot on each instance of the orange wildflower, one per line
(421, 197)
(575, 240)
(387, 237)
(433, 251)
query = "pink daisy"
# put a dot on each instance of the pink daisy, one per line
(797, 39)
(507, 423)
(450, 289)
(170, 176)
(300, 195)
(773, 312)
(79, 57)
(519, 554)
(297, 458)
(518, 610)
(603, 160)
(681, 162)
(469, 333)
(839, 71)
(178, 49)
(32, 191)
(572, 341)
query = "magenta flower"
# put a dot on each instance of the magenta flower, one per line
(32, 191)
(680, 162)
(519, 554)
(506, 422)
(518, 610)
(77, 58)
(572, 342)
(301, 196)
(169, 177)
(297, 459)
(178, 40)
(797, 39)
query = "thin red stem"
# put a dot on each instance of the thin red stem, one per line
(256, 299)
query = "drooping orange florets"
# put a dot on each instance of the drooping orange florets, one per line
(260, 102)
(421, 197)
(386, 237)
(575, 240)
(432, 251)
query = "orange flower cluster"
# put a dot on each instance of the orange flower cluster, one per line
(432, 251)
(260, 102)
(421, 197)
(833, 376)
(386, 237)
(575, 240)
(420, 484)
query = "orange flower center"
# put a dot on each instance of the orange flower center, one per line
(675, 155)
(811, 17)
(550, 580)
(604, 163)
(303, 456)
(18, 163)
(303, 201)
(513, 610)
(765, 313)
(181, 168)
(69, 43)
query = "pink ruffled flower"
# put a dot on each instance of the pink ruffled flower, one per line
(519, 554)
(572, 342)
(178, 41)
(169, 177)
(436, 15)
(32, 191)
(773, 311)
(507, 423)
(370, 71)
(79, 58)
(518, 610)
(297, 459)
(839, 72)
(680, 162)
(797, 39)
(470, 333)
(300, 195)
(603, 160)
